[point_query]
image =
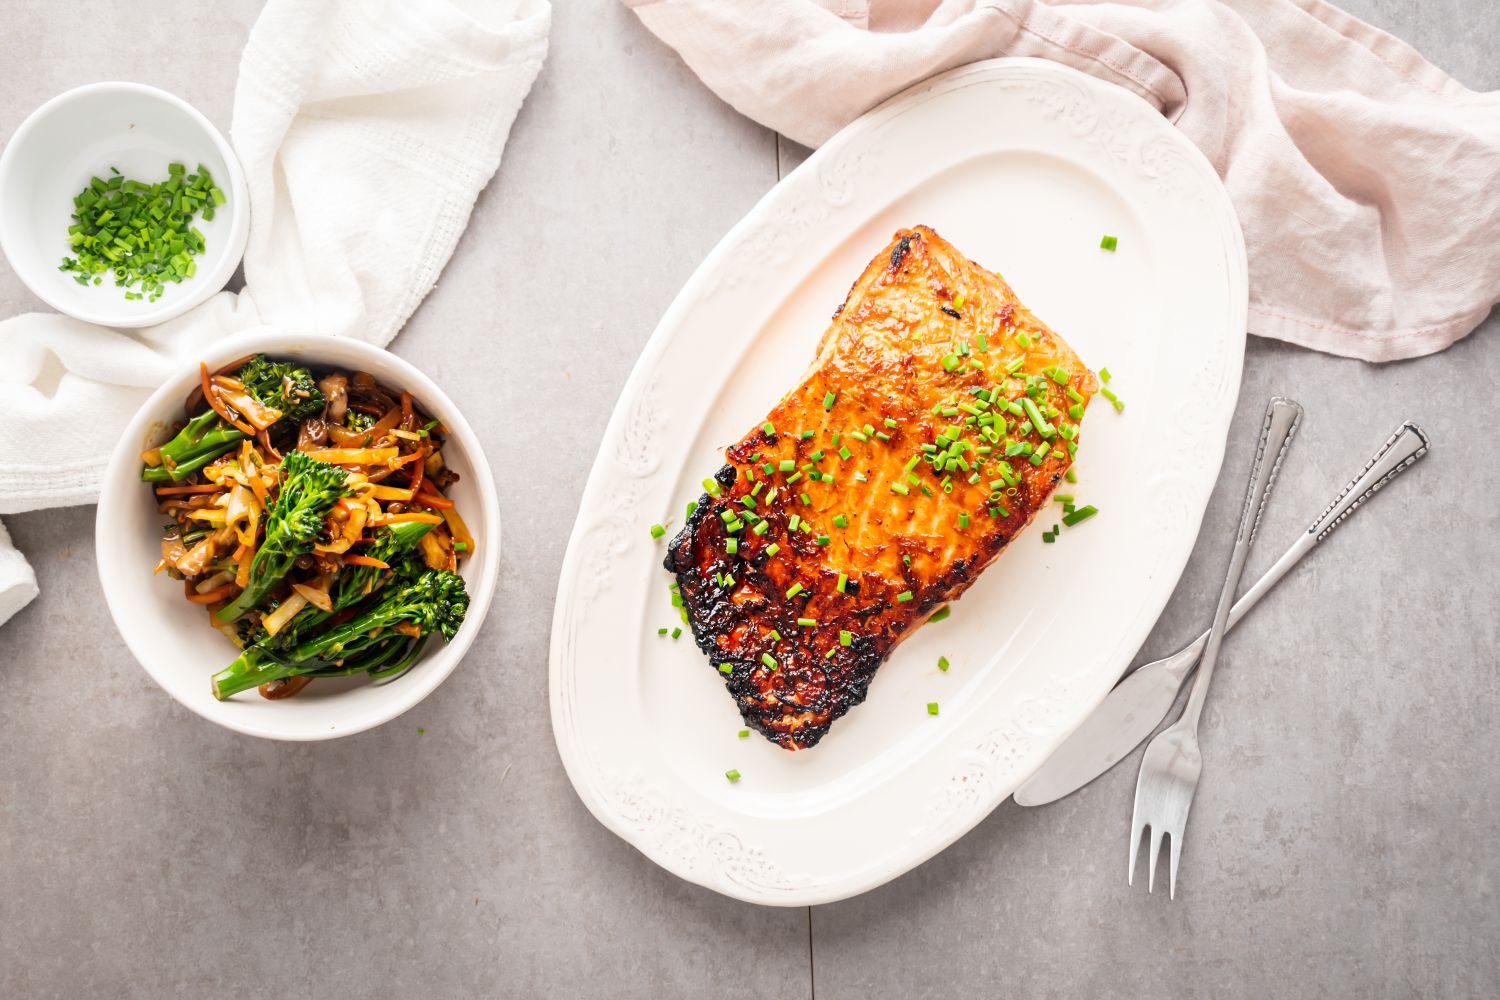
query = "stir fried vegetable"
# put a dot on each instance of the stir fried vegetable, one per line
(308, 492)
(261, 395)
(433, 602)
(339, 556)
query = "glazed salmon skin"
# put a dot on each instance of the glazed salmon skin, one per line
(934, 423)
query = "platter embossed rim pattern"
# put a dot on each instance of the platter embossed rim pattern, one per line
(756, 848)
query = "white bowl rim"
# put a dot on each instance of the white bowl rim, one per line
(239, 211)
(125, 460)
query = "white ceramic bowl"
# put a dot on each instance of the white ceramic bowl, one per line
(81, 134)
(173, 639)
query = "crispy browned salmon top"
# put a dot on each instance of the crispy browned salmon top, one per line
(934, 423)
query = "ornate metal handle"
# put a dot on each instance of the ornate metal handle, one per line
(1403, 448)
(1276, 432)
(1282, 415)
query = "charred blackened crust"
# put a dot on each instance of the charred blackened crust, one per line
(727, 627)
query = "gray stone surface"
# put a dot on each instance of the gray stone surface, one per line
(1342, 843)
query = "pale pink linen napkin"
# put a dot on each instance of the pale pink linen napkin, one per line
(1367, 181)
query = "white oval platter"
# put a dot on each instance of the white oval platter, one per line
(1024, 165)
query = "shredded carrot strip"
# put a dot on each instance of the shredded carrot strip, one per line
(405, 460)
(365, 561)
(417, 470)
(213, 595)
(249, 462)
(165, 491)
(433, 500)
(242, 557)
(405, 408)
(399, 518)
(213, 400)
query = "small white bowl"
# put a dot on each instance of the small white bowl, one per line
(173, 639)
(81, 134)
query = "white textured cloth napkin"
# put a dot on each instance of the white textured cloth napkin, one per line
(17, 581)
(366, 129)
(1367, 181)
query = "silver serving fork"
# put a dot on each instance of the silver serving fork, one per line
(1173, 762)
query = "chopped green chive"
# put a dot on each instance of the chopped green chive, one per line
(1071, 476)
(940, 613)
(900, 488)
(903, 597)
(676, 633)
(794, 590)
(662, 631)
(1037, 420)
(744, 734)
(732, 775)
(890, 423)
(768, 429)
(943, 664)
(657, 531)
(840, 521)
(772, 549)
(932, 708)
(843, 583)
(726, 668)
(846, 638)
(829, 398)
(807, 622)
(1108, 243)
(1105, 375)
(732, 546)
(963, 519)
(1081, 514)
(768, 660)
(141, 235)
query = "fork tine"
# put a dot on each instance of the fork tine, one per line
(1176, 849)
(1135, 843)
(1151, 868)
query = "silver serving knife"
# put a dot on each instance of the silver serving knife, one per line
(1137, 705)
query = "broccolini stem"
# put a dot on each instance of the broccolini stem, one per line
(251, 669)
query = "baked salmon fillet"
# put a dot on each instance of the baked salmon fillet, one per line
(934, 423)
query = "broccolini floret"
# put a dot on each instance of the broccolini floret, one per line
(289, 390)
(309, 489)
